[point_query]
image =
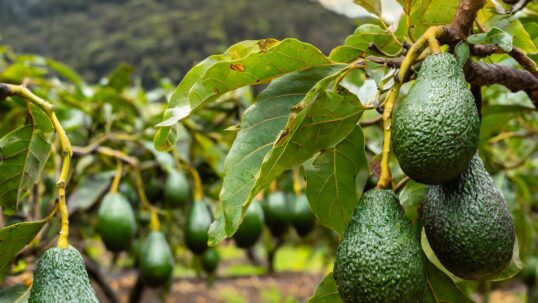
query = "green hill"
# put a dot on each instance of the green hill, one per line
(159, 37)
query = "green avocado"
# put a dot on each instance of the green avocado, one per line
(176, 188)
(61, 276)
(210, 260)
(116, 222)
(251, 228)
(303, 218)
(468, 224)
(197, 226)
(277, 213)
(380, 258)
(435, 128)
(156, 261)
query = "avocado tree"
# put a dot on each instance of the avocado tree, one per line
(417, 140)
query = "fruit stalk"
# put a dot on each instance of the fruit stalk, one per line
(117, 177)
(66, 151)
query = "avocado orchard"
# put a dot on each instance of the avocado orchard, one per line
(359, 129)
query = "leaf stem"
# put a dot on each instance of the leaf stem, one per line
(117, 177)
(66, 151)
(198, 188)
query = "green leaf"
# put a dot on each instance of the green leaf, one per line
(357, 44)
(425, 13)
(14, 237)
(245, 63)
(14, 294)
(261, 123)
(411, 196)
(23, 153)
(495, 36)
(120, 77)
(326, 292)
(331, 180)
(88, 191)
(65, 71)
(462, 52)
(372, 6)
(441, 288)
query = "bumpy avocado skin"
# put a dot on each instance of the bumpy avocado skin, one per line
(116, 222)
(469, 225)
(196, 227)
(60, 276)
(304, 220)
(156, 261)
(277, 213)
(176, 188)
(251, 228)
(435, 128)
(379, 258)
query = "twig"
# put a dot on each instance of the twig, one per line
(374, 121)
(516, 53)
(401, 184)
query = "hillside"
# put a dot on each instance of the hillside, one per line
(159, 37)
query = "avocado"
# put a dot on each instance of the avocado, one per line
(277, 213)
(468, 224)
(116, 222)
(176, 188)
(196, 227)
(303, 219)
(435, 128)
(251, 228)
(61, 276)
(156, 261)
(380, 258)
(210, 260)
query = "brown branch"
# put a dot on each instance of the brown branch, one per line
(373, 121)
(480, 74)
(516, 53)
(462, 24)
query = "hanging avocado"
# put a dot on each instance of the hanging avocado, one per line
(277, 213)
(210, 260)
(251, 228)
(61, 276)
(156, 261)
(116, 222)
(176, 188)
(197, 226)
(304, 220)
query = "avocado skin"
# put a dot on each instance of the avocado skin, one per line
(196, 227)
(156, 261)
(380, 258)
(116, 222)
(251, 228)
(303, 219)
(277, 213)
(61, 276)
(176, 188)
(435, 128)
(468, 224)
(210, 260)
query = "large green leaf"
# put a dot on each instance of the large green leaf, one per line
(88, 191)
(372, 6)
(495, 36)
(441, 288)
(259, 129)
(245, 63)
(14, 294)
(331, 180)
(357, 44)
(326, 292)
(426, 13)
(23, 153)
(14, 237)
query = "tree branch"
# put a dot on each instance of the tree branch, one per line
(516, 53)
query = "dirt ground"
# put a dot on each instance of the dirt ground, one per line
(274, 288)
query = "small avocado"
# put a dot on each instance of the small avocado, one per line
(116, 222)
(61, 276)
(303, 218)
(210, 260)
(251, 228)
(176, 188)
(156, 261)
(435, 128)
(380, 258)
(197, 226)
(277, 213)
(468, 224)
